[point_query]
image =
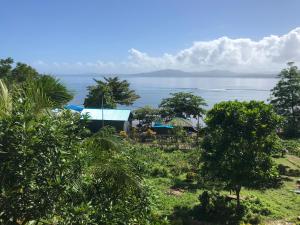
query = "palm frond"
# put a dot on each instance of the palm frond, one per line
(5, 100)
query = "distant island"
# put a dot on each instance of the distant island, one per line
(180, 73)
(210, 73)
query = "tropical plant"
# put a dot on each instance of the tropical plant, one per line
(286, 99)
(113, 91)
(146, 115)
(18, 77)
(40, 160)
(57, 93)
(182, 104)
(22, 72)
(115, 190)
(5, 100)
(5, 68)
(237, 148)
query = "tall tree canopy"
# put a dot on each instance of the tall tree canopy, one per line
(286, 99)
(183, 104)
(240, 139)
(21, 74)
(114, 92)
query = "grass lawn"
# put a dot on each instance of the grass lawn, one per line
(170, 192)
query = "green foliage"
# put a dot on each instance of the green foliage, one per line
(113, 91)
(57, 93)
(220, 209)
(182, 104)
(5, 68)
(5, 100)
(146, 115)
(21, 75)
(286, 99)
(159, 171)
(22, 72)
(240, 140)
(113, 187)
(292, 146)
(40, 159)
(52, 171)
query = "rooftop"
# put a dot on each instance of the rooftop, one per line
(108, 114)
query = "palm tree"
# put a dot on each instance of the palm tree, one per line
(113, 90)
(28, 96)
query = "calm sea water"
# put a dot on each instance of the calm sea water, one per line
(153, 89)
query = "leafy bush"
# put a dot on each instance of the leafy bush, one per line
(40, 162)
(218, 208)
(191, 176)
(159, 171)
(292, 146)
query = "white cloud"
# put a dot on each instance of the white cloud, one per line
(268, 54)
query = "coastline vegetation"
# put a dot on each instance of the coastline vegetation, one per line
(242, 167)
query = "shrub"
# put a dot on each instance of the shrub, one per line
(191, 176)
(123, 134)
(159, 171)
(292, 146)
(218, 208)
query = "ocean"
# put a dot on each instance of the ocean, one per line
(153, 89)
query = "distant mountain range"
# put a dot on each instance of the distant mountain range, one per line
(211, 73)
(180, 73)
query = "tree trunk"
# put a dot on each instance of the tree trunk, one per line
(237, 192)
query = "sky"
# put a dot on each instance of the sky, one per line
(131, 36)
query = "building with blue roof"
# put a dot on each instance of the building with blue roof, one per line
(120, 119)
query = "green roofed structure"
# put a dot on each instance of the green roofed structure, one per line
(120, 119)
(182, 122)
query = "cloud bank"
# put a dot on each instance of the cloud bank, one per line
(269, 54)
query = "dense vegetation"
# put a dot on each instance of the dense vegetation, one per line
(53, 170)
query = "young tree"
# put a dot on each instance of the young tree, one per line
(238, 145)
(183, 104)
(113, 90)
(286, 99)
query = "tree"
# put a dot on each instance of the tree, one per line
(52, 170)
(146, 115)
(285, 98)
(39, 156)
(5, 67)
(22, 74)
(113, 90)
(57, 93)
(99, 95)
(237, 148)
(182, 104)
(22, 71)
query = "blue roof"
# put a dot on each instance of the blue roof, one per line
(158, 125)
(108, 114)
(76, 108)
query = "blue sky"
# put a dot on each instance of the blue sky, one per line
(69, 36)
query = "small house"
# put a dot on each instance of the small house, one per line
(162, 129)
(183, 123)
(120, 119)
